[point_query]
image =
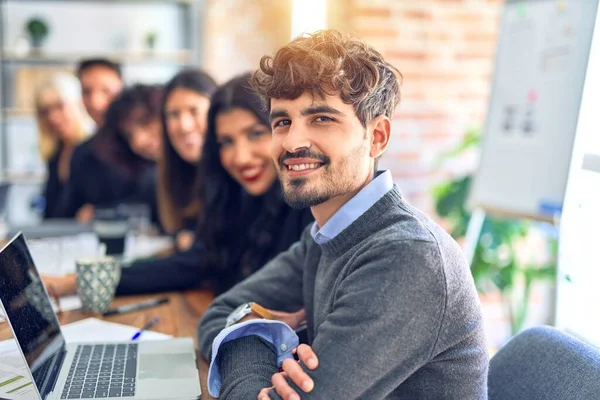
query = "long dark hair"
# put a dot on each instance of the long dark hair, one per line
(110, 143)
(234, 225)
(177, 195)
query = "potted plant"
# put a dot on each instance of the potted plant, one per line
(38, 31)
(496, 262)
(151, 40)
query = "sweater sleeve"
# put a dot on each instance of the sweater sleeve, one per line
(180, 271)
(372, 333)
(277, 286)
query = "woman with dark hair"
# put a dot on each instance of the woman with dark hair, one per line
(183, 115)
(117, 164)
(244, 221)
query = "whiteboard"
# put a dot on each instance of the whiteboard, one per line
(540, 66)
(578, 261)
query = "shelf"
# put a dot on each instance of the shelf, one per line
(182, 2)
(11, 112)
(24, 177)
(149, 56)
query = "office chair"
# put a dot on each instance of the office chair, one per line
(546, 364)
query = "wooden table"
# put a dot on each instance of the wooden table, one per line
(179, 318)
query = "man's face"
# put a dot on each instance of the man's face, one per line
(99, 86)
(320, 148)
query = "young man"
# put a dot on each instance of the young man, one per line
(390, 305)
(101, 82)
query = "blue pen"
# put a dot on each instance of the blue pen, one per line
(149, 325)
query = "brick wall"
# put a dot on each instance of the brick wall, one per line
(239, 32)
(445, 51)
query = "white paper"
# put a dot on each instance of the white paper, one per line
(69, 303)
(15, 382)
(142, 246)
(94, 330)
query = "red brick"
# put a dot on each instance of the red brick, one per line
(434, 76)
(466, 18)
(424, 15)
(367, 33)
(442, 36)
(481, 37)
(406, 54)
(474, 55)
(376, 12)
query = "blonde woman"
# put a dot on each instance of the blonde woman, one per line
(62, 125)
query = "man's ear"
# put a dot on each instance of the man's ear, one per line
(381, 130)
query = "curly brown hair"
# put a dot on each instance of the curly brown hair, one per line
(329, 62)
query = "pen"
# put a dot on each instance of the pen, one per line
(136, 307)
(149, 325)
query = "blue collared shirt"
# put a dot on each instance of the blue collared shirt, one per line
(283, 338)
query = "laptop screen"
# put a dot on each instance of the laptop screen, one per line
(29, 312)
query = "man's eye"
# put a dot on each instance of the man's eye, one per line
(282, 122)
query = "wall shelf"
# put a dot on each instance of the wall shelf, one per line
(123, 57)
(11, 112)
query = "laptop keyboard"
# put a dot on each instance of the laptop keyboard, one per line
(103, 370)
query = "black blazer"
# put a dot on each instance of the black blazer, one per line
(190, 269)
(54, 189)
(96, 182)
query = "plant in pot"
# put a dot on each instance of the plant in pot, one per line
(497, 263)
(38, 31)
(150, 40)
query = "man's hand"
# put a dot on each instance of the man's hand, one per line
(293, 371)
(184, 240)
(85, 214)
(293, 320)
(61, 285)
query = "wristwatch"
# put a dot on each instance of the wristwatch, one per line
(245, 309)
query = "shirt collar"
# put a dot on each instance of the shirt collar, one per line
(354, 208)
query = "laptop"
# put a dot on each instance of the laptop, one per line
(134, 370)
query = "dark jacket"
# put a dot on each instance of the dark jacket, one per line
(54, 190)
(192, 269)
(96, 182)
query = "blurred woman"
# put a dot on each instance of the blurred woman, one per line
(61, 123)
(244, 220)
(117, 164)
(183, 115)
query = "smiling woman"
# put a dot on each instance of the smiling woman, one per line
(184, 109)
(244, 149)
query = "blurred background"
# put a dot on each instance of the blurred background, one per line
(444, 49)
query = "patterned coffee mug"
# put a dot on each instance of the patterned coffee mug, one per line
(96, 282)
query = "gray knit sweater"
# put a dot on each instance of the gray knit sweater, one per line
(391, 308)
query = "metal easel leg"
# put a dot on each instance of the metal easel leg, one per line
(473, 234)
